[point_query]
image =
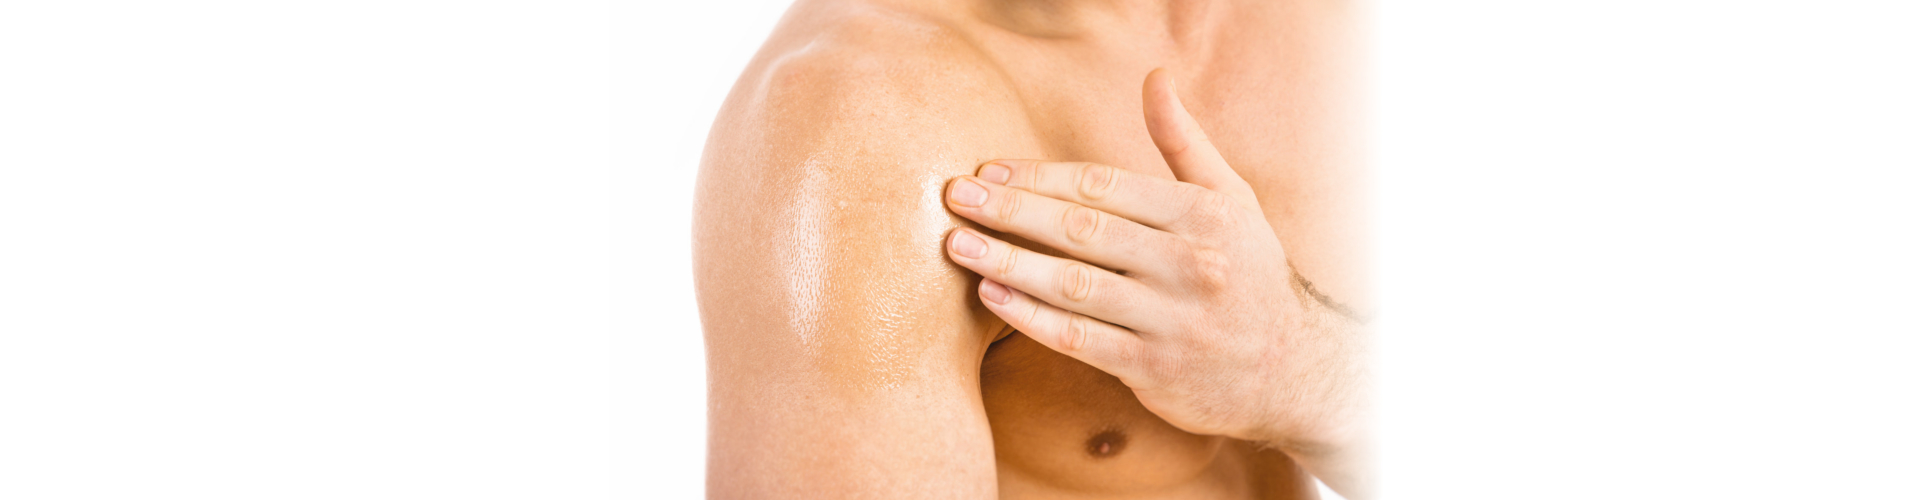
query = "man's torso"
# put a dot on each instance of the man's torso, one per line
(1271, 89)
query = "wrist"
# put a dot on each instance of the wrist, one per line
(1322, 406)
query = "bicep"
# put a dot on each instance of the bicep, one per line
(843, 348)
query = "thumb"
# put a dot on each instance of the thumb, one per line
(1185, 146)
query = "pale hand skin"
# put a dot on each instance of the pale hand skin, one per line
(1180, 289)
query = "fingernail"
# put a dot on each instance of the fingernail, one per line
(968, 245)
(968, 194)
(994, 291)
(996, 173)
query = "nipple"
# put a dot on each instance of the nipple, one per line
(1106, 443)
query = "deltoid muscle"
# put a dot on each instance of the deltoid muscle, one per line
(865, 253)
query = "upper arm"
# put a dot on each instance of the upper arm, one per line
(843, 347)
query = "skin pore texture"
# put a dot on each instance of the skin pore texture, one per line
(850, 358)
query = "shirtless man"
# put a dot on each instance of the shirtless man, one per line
(850, 352)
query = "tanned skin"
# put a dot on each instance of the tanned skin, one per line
(850, 357)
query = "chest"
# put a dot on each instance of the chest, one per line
(1055, 417)
(1094, 114)
(1280, 110)
(1060, 419)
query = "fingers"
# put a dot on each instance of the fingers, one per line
(1085, 233)
(1186, 148)
(1067, 284)
(1106, 347)
(1148, 200)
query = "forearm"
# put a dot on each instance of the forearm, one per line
(1337, 447)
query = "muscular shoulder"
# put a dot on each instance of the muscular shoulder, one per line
(893, 82)
(820, 192)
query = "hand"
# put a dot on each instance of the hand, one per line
(1180, 289)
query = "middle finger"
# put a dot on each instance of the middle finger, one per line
(1090, 235)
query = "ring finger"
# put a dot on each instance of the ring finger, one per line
(1067, 284)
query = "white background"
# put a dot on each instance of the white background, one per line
(434, 249)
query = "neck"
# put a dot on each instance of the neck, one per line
(1177, 21)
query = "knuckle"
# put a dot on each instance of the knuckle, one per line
(1029, 319)
(1009, 258)
(1081, 223)
(1077, 282)
(1096, 181)
(1009, 204)
(1037, 176)
(1209, 268)
(1074, 336)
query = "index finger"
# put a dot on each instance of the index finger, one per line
(1151, 201)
